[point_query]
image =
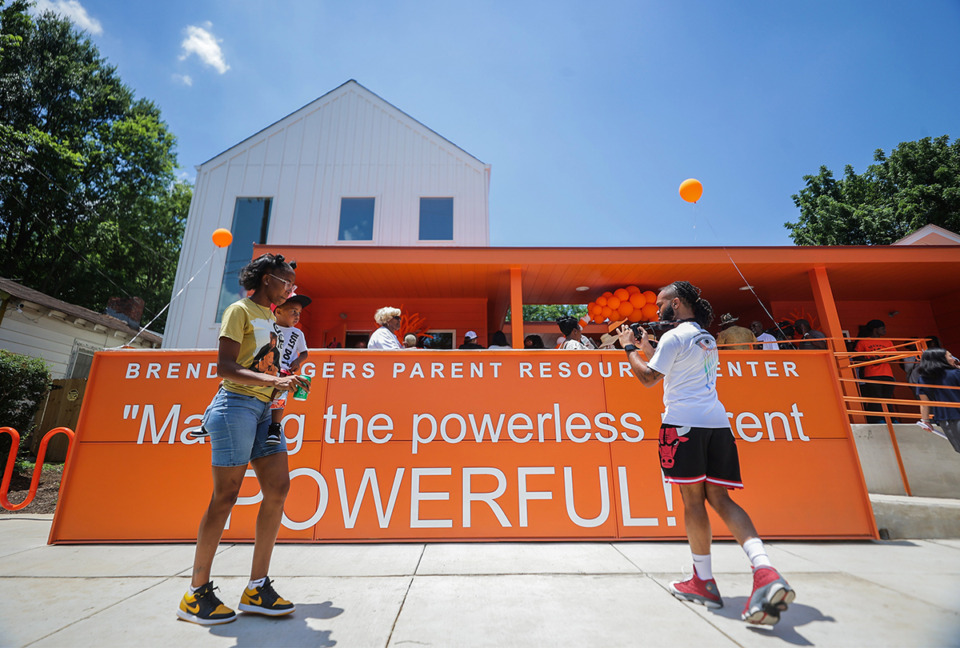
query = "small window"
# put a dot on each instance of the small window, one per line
(356, 219)
(251, 219)
(436, 219)
(440, 339)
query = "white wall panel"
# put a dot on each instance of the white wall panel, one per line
(347, 143)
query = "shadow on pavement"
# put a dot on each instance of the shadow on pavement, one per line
(294, 630)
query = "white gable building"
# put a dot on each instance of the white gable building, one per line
(346, 169)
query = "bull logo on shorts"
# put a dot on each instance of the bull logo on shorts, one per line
(669, 442)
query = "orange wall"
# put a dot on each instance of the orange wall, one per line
(947, 311)
(568, 437)
(321, 320)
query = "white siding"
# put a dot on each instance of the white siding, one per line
(38, 334)
(348, 143)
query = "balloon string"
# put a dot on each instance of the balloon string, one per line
(746, 283)
(162, 310)
(694, 223)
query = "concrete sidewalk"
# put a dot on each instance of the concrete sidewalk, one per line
(898, 593)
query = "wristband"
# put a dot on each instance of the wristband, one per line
(630, 348)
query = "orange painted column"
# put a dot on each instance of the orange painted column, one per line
(827, 309)
(516, 307)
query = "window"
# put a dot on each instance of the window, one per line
(442, 339)
(251, 218)
(436, 219)
(356, 219)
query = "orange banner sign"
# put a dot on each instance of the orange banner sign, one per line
(476, 445)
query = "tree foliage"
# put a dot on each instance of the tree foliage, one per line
(89, 203)
(24, 381)
(918, 184)
(550, 312)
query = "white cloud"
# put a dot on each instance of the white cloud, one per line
(183, 78)
(73, 11)
(205, 45)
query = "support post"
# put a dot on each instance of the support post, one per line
(516, 307)
(830, 320)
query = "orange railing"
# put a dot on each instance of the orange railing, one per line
(848, 361)
(902, 349)
(37, 469)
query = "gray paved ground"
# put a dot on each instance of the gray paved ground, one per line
(901, 593)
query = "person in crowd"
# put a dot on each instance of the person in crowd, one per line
(911, 367)
(698, 451)
(533, 342)
(237, 422)
(385, 337)
(470, 341)
(499, 341)
(808, 334)
(733, 336)
(939, 370)
(767, 341)
(876, 374)
(410, 341)
(573, 336)
(293, 352)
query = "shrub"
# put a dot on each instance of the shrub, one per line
(24, 381)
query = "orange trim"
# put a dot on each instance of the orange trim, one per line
(516, 307)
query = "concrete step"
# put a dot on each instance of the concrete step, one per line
(899, 516)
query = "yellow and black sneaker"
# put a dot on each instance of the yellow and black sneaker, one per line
(265, 600)
(204, 607)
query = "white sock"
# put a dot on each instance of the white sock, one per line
(756, 553)
(254, 584)
(703, 565)
(193, 590)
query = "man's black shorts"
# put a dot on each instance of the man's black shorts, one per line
(690, 454)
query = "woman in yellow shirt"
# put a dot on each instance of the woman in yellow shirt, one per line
(237, 422)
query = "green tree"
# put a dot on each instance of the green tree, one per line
(89, 203)
(918, 184)
(550, 312)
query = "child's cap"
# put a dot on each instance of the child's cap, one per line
(303, 300)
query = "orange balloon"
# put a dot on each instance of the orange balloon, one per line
(650, 296)
(613, 302)
(621, 294)
(650, 312)
(625, 308)
(606, 312)
(638, 300)
(222, 237)
(596, 312)
(633, 289)
(636, 315)
(691, 190)
(608, 294)
(602, 300)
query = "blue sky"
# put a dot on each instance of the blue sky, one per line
(590, 116)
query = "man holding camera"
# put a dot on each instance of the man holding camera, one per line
(698, 451)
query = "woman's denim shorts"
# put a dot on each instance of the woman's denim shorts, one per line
(238, 427)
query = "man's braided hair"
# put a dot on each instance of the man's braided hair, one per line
(690, 294)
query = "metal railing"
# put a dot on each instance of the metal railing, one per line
(37, 469)
(901, 349)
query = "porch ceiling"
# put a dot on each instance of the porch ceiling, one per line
(551, 275)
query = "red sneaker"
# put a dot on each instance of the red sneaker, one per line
(695, 590)
(771, 595)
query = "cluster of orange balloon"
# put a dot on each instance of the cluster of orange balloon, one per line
(629, 303)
